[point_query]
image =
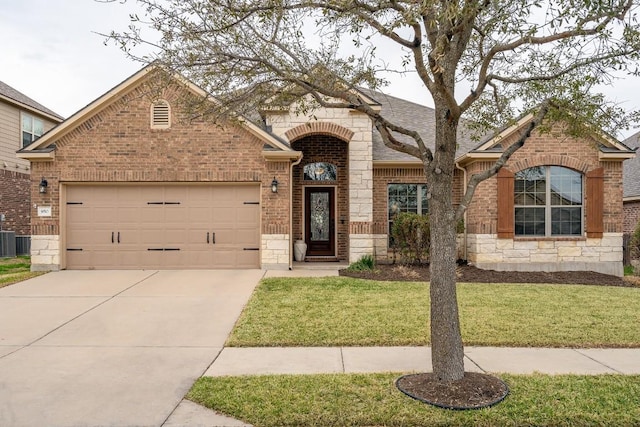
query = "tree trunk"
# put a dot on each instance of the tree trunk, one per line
(447, 353)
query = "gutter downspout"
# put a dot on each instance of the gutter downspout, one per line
(464, 191)
(296, 163)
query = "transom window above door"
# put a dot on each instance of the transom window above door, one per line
(320, 171)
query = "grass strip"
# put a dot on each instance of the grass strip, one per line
(10, 279)
(373, 400)
(14, 270)
(340, 311)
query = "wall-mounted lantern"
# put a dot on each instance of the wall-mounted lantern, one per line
(274, 185)
(43, 185)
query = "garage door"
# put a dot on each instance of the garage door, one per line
(162, 227)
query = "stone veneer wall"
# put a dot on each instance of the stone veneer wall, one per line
(355, 128)
(45, 253)
(276, 251)
(600, 255)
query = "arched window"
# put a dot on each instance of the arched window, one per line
(548, 201)
(160, 115)
(320, 171)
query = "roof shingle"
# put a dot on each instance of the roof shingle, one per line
(411, 116)
(631, 169)
(11, 93)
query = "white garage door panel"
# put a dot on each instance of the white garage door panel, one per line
(162, 226)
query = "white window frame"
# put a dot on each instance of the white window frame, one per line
(548, 207)
(32, 130)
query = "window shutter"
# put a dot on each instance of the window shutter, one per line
(595, 203)
(160, 115)
(505, 204)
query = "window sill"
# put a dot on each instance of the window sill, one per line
(550, 239)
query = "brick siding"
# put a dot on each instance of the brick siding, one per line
(548, 149)
(15, 201)
(117, 144)
(631, 216)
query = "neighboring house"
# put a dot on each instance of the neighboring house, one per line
(133, 183)
(22, 121)
(632, 187)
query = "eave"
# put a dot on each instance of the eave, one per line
(37, 155)
(280, 156)
(397, 164)
(619, 156)
(30, 109)
(474, 156)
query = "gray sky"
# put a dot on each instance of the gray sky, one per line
(50, 52)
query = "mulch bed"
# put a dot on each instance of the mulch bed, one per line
(470, 274)
(474, 391)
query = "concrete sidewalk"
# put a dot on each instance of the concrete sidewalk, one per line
(315, 360)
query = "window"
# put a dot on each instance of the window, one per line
(32, 129)
(406, 198)
(320, 171)
(160, 115)
(548, 202)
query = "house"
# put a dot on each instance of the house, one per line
(134, 183)
(22, 121)
(631, 192)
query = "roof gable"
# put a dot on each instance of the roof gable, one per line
(42, 144)
(609, 147)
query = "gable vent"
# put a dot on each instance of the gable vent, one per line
(160, 115)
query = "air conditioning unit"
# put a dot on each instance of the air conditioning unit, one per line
(7, 244)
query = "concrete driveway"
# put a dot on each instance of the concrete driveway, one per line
(112, 348)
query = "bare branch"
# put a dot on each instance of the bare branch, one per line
(506, 155)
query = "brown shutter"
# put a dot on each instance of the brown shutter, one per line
(595, 202)
(505, 204)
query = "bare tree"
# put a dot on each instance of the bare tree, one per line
(539, 56)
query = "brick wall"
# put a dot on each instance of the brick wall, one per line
(601, 254)
(382, 177)
(118, 145)
(15, 201)
(631, 216)
(548, 149)
(323, 148)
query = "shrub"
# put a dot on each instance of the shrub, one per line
(411, 235)
(365, 263)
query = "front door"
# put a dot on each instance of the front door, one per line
(319, 221)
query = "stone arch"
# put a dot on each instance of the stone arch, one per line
(319, 128)
(551, 160)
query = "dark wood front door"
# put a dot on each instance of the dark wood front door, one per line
(320, 224)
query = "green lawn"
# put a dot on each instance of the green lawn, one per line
(13, 270)
(373, 400)
(340, 311)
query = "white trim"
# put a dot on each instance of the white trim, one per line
(71, 123)
(616, 156)
(31, 109)
(505, 133)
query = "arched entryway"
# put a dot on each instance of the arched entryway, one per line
(321, 197)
